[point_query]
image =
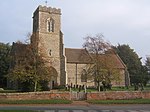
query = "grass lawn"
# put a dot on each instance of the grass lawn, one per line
(54, 101)
(131, 88)
(9, 91)
(19, 111)
(23, 111)
(133, 101)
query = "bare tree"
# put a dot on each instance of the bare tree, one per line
(101, 69)
(28, 38)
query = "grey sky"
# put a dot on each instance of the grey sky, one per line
(121, 21)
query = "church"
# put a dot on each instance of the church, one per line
(67, 64)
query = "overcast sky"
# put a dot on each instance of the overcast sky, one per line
(120, 21)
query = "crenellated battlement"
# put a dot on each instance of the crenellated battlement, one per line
(48, 9)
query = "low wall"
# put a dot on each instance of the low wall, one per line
(67, 95)
(118, 95)
(35, 95)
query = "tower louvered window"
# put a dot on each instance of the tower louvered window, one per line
(51, 25)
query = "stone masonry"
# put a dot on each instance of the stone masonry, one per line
(50, 43)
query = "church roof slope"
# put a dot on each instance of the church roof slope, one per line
(112, 60)
(82, 56)
(77, 56)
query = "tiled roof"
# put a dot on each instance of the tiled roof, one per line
(77, 56)
(82, 56)
(112, 60)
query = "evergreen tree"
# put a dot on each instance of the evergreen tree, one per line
(134, 65)
(148, 63)
(4, 63)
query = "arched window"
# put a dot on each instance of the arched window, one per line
(84, 76)
(50, 25)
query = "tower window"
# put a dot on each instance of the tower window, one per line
(50, 52)
(50, 25)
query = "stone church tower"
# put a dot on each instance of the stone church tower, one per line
(47, 38)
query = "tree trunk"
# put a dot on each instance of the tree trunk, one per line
(35, 86)
(85, 88)
(99, 89)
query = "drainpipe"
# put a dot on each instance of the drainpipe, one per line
(76, 74)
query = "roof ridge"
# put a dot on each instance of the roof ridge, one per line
(75, 48)
(121, 61)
